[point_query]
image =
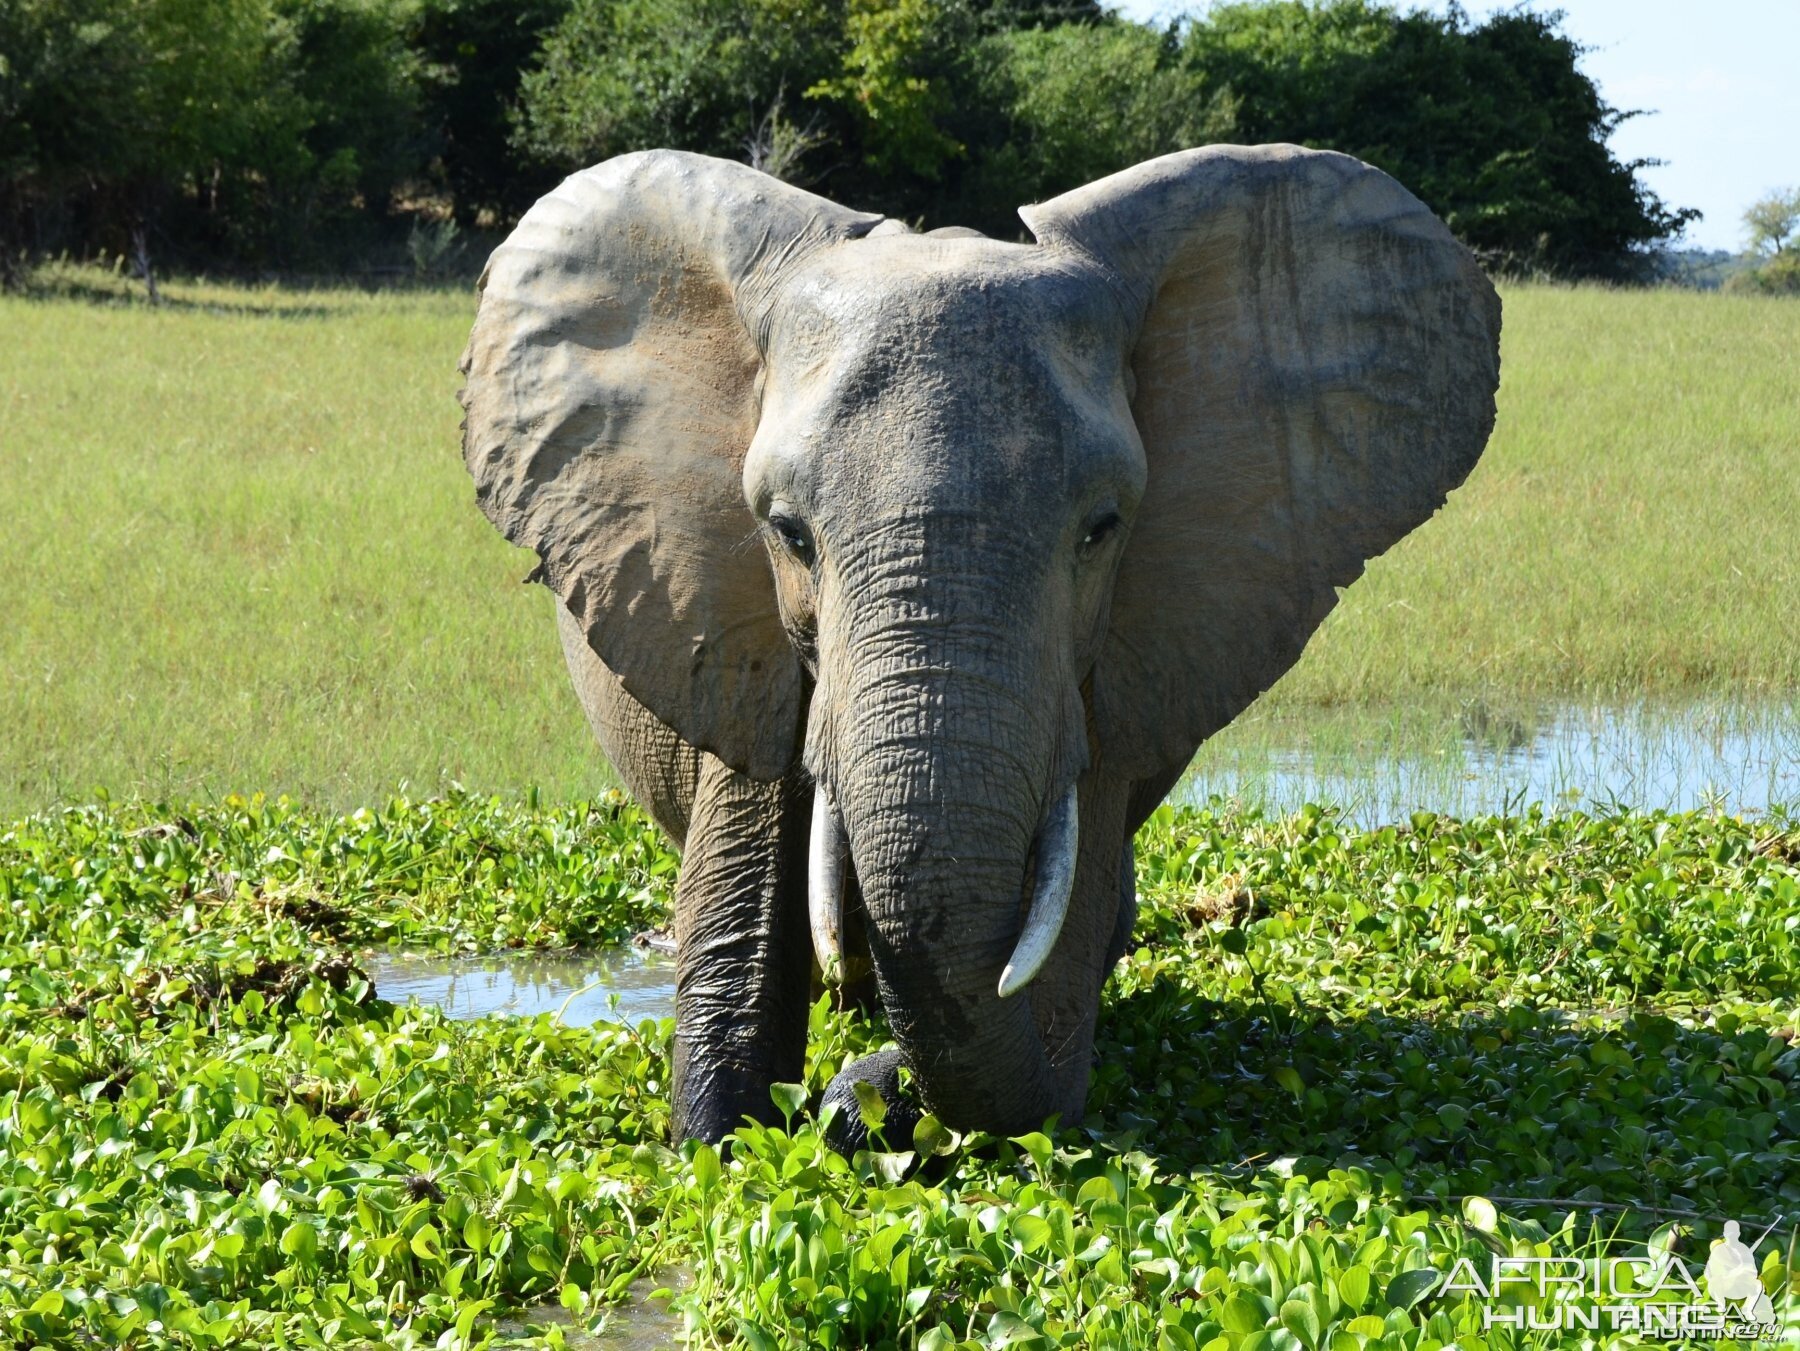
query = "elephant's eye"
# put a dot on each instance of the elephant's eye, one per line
(794, 537)
(1099, 532)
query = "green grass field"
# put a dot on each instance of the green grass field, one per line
(243, 554)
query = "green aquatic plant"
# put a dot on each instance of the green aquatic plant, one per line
(1341, 1062)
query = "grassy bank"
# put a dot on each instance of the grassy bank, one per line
(1315, 1091)
(242, 554)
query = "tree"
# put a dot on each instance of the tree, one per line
(212, 129)
(1773, 222)
(1493, 125)
(472, 55)
(619, 75)
(1773, 225)
(1085, 100)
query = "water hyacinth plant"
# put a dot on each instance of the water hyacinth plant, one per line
(1340, 1063)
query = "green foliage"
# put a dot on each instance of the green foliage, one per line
(212, 1132)
(1773, 224)
(472, 55)
(1493, 125)
(244, 128)
(1086, 100)
(884, 86)
(619, 75)
(1779, 276)
(234, 127)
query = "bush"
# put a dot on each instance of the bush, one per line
(1779, 276)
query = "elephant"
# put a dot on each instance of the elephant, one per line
(900, 574)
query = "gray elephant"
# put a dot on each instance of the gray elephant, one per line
(901, 574)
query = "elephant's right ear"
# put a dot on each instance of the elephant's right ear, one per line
(612, 390)
(1315, 359)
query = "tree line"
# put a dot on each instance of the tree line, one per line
(317, 134)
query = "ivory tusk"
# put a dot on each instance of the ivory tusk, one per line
(825, 886)
(1056, 854)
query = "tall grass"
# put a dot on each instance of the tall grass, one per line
(240, 551)
(1630, 532)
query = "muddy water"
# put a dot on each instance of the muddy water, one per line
(584, 985)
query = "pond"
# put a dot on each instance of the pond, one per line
(625, 984)
(1474, 758)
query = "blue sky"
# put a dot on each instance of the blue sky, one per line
(1722, 79)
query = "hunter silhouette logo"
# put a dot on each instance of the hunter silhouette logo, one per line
(1731, 1276)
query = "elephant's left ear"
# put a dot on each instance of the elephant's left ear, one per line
(1315, 363)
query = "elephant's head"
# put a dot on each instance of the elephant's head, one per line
(960, 525)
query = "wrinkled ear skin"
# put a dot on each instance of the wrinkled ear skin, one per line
(611, 394)
(1315, 366)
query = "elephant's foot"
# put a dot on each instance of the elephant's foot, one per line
(881, 1071)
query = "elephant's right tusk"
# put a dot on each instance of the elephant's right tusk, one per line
(1056, 855)
(825, 886)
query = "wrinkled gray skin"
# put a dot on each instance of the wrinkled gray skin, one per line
(946, 525)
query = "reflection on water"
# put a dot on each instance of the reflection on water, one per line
(1381, 768)
(526, 983)
(640, 1323)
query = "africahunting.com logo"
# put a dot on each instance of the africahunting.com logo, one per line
(1653, 1293)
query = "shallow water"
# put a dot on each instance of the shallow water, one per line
(1473, 759)
(639, 1323)
(583, 985)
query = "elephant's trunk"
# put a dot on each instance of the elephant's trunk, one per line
(1053, 862)
(951, 783)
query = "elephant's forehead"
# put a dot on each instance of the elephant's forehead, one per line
(908, 300)
(935, 365)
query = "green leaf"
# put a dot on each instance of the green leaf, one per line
(300, 1241)
(1095, 1190)
(476, 1232)
(1409, 1287)
(1299, 1318)
(1243, 1314)
(1289, 1078)
(1353, 1286)
(424, 1243)
(706, 1168)
(1038, 1146)
(1031, 1231)
(932, 1138)
(788, 1099)
(1480, 1213)
(869, 1104)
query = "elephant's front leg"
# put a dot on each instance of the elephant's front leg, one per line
(743, 949)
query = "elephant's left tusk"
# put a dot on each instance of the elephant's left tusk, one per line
(825, 886)
(1056, 855)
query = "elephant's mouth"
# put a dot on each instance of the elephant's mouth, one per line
(1049, 874)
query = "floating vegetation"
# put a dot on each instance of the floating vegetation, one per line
(1340, 1062)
